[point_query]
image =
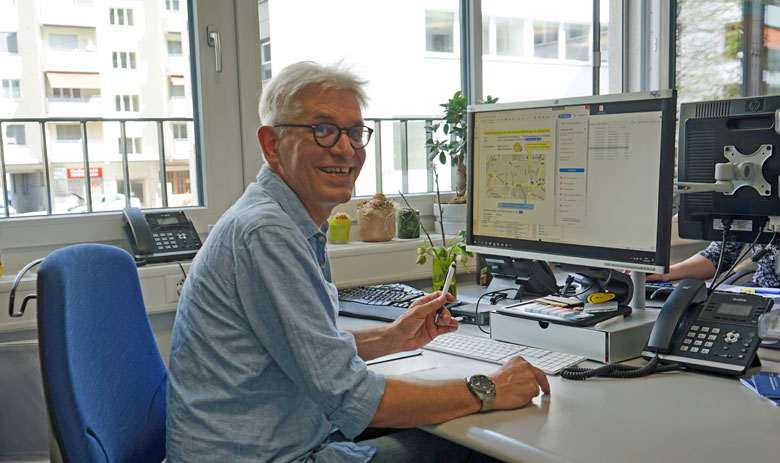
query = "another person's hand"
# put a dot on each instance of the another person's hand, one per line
(416, 327)
(658, 277)
(517, 382)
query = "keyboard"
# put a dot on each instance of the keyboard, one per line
(377, 302)
(387, 302)
(494, 351)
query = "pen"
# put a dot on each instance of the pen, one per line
(445, 289)
(761, 290)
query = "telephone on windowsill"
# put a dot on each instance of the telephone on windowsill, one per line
(159, 236)
(717, 333)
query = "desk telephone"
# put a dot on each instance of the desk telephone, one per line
(718, 333)
(159, 236)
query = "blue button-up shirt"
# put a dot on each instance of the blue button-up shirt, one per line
(258, 370)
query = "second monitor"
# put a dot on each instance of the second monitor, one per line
(584, 181)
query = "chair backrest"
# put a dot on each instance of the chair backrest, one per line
(103, 376)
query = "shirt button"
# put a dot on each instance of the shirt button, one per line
(321, 238)
(322, 266)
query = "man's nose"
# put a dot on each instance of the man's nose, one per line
(343, 146)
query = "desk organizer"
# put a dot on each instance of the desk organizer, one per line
(615, 343)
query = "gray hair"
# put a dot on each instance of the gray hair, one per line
(279, 100)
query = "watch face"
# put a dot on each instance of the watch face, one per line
(481, 383)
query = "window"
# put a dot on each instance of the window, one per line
(545, 39)
(172, 5)
(439, 31)
(66, 92)
(8, 43)
(265, 60)
(132, 144)
(64, 42)
(123, 59)
(127, 103)
(727, 49)
(68, 133)
(179, 131)
(12, 89)
(120, 16)
(15, 135)
(577, 42)
(174, 47)
(176, 91)
(509, 37)
(179, 181)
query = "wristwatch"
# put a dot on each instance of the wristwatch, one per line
(484, 388)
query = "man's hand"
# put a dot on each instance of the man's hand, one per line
(416, 327)
(517, 382)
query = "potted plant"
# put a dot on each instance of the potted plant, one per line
(444, 254)
(454, 146)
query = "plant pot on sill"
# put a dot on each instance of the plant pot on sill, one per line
(454, 217)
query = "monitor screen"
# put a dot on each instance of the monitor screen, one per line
(584, 181)
(742, 133)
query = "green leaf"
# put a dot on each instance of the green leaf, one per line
(442, 158)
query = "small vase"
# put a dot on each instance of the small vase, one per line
(339, 230)
(408, 224)
(440, 267)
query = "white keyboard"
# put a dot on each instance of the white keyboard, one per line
(494, 351)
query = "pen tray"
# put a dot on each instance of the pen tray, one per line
(589, 321)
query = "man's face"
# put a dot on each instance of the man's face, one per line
(321, 177)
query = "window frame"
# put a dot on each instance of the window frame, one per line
(222, 140)
(229, 155)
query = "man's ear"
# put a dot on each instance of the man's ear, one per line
(268, 139)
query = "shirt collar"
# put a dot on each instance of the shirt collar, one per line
(280, 192)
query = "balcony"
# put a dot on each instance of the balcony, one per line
(72, 61)
(75, 107)
(179, 107)
(59, 13)
(178, 65)
(175, 21)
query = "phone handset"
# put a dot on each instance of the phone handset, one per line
(138, 231)
(687, 293)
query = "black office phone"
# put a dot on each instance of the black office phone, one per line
(716, 332)
(160, 236)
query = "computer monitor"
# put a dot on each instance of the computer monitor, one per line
(729, 145)
(583, 181)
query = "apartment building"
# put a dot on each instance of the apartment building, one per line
(123, 68)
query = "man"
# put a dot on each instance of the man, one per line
(258, 369)
(702, 265)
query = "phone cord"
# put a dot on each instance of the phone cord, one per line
(616, 370)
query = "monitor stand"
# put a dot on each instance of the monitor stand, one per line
(519, 278)
(638, 300)
(596, 280)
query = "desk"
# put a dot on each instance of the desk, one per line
(681, 416)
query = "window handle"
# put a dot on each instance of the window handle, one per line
(213, 39)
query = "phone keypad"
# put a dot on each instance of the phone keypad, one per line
(712, 341)
(173, 240)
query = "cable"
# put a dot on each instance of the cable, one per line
(760, 254)
(476, 308)
(182, 269)
(727, 275)
(726, 228)
(616, 370)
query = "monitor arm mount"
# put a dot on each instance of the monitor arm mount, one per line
(741, 170)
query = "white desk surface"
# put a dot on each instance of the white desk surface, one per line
(670, 417)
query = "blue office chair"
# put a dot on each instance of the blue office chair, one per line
(103, 376)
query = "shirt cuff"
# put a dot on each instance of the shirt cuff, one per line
(359, 407)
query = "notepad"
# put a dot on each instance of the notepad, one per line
(765, 384)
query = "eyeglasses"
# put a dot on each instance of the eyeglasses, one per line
(327, 135)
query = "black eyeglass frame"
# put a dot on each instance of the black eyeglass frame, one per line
(346, 130)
